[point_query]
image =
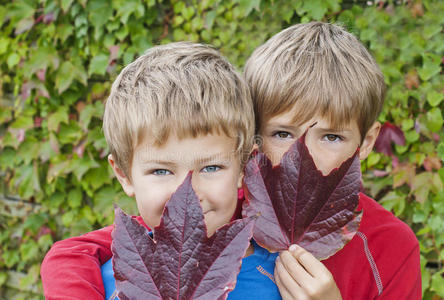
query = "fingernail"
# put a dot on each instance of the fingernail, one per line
(278, 259)
(293, 248)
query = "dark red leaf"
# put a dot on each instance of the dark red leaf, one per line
(38, 121)
(180, 262)
(389, 133)
(298, 205)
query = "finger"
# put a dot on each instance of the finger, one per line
(295, 269)
(313, 266)
(286, 280)
(282, 289)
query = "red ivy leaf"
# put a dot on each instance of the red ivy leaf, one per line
(181, 262)
(389, 133)
(298, 205)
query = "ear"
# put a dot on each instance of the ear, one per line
(239, 181)
(255, 147)
(258, 142)
(125, 182)
(369, 140)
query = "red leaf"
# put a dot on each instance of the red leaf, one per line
(41, 74)
(113, 52)
(389, 133)
(181, 262)
(25, 91)
(79, 149)
(412, 80)
(48, 18)
(298, 205)
(21, 135)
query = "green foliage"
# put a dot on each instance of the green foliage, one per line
(59, 57)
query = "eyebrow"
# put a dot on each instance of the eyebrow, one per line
(330, 129)
(286, 127)
(211, 158)
(159, 162)
(171, 163)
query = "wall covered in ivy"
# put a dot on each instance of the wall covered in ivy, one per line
(59, 57)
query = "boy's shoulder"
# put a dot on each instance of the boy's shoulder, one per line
(79, 259)
(379, 224)
(381, 259)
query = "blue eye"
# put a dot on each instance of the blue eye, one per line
(161, 172)
(211, 169)
(282, 135)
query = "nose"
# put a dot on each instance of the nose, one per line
(196, 183)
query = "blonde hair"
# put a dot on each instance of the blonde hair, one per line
(320, 67)
(182, 88)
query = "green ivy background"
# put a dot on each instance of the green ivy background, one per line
(59, 57)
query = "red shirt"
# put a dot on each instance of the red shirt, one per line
(382, 259)
(380, 262)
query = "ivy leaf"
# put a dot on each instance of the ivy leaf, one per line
(103, 198)
(434, 98)
(65, 76)
(13, 59)
(127, 7)
(97, 177)
(41, 58)
(421, 186)
(440, 150)
(98, 64)
(23, 122)
(438, 283)
(389, 133)
(21, 15)
(299, 205)
(75, 198)
(60, 116)
(188, 12)
(430, 66)
(434, 119)
(209, 19)
(315, 9)
(181, 262)
(82, 165)
(99, 13)
(65, 4)
(246, 6)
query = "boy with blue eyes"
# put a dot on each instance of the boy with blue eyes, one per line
(178, 108)
(319, 79)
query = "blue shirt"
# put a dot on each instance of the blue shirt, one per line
(255, 279)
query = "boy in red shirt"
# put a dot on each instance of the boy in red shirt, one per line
(318, 78)
(310, 75)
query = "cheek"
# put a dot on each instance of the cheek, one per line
(222, 194)
(273, 150)
(327, 159)
(151, 204)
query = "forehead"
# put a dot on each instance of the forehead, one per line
(292, 120)
(186, 148)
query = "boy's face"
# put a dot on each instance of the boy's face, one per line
(156, 173)
(328, 146)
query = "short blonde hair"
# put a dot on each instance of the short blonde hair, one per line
(183, 88)
(320, 67)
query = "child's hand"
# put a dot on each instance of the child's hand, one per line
(299, 275)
